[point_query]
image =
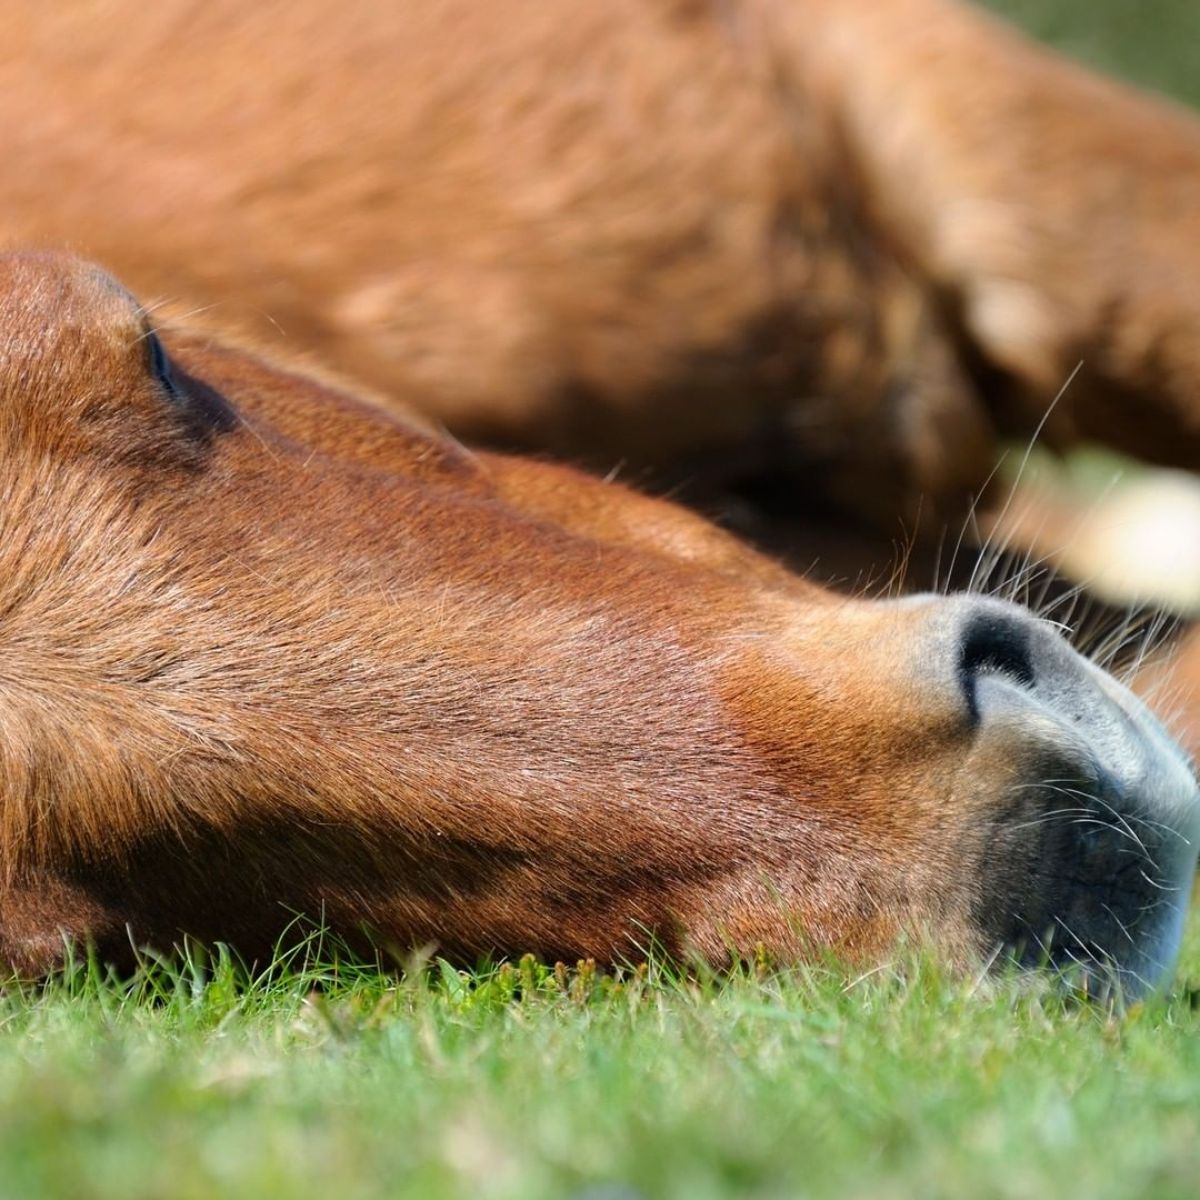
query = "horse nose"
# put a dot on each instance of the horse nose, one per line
(1018, 677)
(995, 641)
(1102, 806)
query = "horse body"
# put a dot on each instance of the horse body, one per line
(844, 245)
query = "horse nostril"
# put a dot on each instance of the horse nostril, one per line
(994, 643)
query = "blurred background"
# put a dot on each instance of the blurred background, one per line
(1154, 43)
(1130, 532)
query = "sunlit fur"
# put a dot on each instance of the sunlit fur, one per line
(267, 649)
(846, 242)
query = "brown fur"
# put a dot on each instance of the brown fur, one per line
(267, 650)
(841, 241)
(1172, 682)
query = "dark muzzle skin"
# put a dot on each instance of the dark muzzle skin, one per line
(266, 650)
(1095, 849)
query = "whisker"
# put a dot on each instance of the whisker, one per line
(998, 523)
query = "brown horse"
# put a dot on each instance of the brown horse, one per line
(268, 649)
(841, 243)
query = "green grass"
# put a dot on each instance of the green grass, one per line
(1155, 43)
(519, 1083)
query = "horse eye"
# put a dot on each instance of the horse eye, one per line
(160, 365)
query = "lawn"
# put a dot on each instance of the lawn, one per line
(518, 1082)
(189, 1082)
